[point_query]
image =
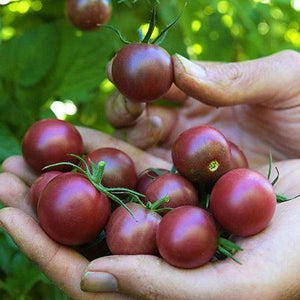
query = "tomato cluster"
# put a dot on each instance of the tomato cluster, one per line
(179, 214)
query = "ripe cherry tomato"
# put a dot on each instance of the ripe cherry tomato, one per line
(50, 141)
(88, 14)
(71, 211)
(39, 185)
(180, 191)
(243, 201)
(201, 154)
(187, 237)
(142, 72)
(238, 158)
(119, 169)
(125, 235)
(145, 178)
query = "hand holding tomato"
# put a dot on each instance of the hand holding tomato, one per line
(270, 260)
(255, 104)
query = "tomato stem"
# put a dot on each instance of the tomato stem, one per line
(270, 165)
(162, 34)
(151, 26)
(159, 202)
(280, 198)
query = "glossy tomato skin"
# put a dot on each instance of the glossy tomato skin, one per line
(50, 141)
(243, 201)
(71, 211)
(145, 178)
(119, 169)
(202, 154)
(142, 72)
(187, 237)
(88, 14)
(125, 235)
(180, 191)
(238, 158)
(39, 185)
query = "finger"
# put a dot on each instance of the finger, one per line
(146, 132)
(121, 112)
(263, 80)
(62, 265)
(15, 193)
(93, 140)
(176, 95)
(16, 165)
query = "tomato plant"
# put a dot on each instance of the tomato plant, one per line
(51, 141)
(187, 237)
(71, 211)
(243, 201)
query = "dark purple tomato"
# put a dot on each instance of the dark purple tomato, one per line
(50, 141)
(238, 158)
(39, 185)
(243, 201)
(145, 178)
(71, 211)
(180, 191)
(202, 154)
(142, 72)
(88, 14)
(119, 169)
(187, 237)
(125, 235)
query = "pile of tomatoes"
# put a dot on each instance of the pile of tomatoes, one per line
(182, 215)
(186, 215)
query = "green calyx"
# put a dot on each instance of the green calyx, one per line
(94, 174)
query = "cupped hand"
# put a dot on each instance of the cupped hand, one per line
(265, 120)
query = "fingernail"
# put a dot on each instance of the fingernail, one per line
(189, 67)
(97, 282)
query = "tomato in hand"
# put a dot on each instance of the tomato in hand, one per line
(119, 168)
(187, 237)
(201, 154)
(146, 177)
(125, 235)
(142, 72)
(39, 185)
(71, 211)
(51, 141)
(180, 191)
(88, 14)
(238, 158)
(243, 201)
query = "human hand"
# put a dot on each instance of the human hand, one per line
(63, 265)
(258, 106)
(149, 277)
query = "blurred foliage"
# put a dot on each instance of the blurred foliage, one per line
(48, 68)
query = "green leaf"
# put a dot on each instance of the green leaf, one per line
(28, 58)
(9, 145)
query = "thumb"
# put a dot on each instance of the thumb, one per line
(272, 80)
(149, 277)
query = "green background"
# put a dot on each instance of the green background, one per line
(44, 60)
